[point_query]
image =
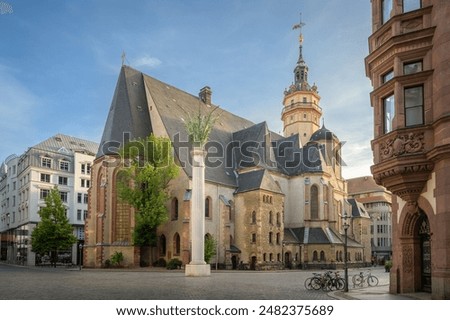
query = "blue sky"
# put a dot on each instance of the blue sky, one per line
(59, 62)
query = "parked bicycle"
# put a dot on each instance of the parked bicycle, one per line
(326, 281)
(359, 279)
(336, 282)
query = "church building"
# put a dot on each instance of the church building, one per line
(271, 201)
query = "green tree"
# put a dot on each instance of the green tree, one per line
(210, 248)
(199, 127)
(149, 167)
(53, 232)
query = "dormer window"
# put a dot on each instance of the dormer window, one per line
(64, 165)
(46, 162)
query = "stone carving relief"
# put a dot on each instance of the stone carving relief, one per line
(411, 25)
(383, 38)
(407, 253)
(402, 144)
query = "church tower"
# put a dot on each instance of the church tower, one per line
(301, 113)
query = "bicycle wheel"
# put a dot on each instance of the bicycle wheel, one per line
(327, 285)
(372, 281)
(316, 283)
(308, 283)
(340, 283)
(357, 280)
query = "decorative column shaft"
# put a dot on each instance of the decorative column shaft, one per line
(198, 267)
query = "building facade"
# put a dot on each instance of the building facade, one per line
(409, 66)
(271, 201)
(26, 180)
(377, 202)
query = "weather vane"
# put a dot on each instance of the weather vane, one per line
(299, 26)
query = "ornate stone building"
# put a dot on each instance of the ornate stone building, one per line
(409, 66)
(270, 200)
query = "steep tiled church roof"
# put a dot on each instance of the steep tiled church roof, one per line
(138, 97)
(257, 179)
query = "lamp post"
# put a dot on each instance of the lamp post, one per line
(80, 248)
(345, 224)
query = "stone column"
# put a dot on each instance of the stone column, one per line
(198, 267)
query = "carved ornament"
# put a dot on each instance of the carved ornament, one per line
(402, 144)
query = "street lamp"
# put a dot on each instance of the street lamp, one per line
(345, 224)
(80, 248)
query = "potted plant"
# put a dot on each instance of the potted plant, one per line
(388, 265)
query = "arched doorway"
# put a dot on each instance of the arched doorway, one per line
(287, 260)
(253, 263)
(414, 254)
(234, 262)
(425, 249)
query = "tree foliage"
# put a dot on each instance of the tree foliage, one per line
(148, 168)
(210, 248)
(54, 231)
(199, 127)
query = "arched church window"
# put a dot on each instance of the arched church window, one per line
(270, 217)
(162, 245)
(322, 255)
(314, 202)
(315, 256)
(121, 213)
(253, 217)
(176, 244)
(208, 207)
(174, 209)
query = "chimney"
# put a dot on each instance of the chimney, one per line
(205, 95)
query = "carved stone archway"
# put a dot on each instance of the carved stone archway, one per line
(413, 272)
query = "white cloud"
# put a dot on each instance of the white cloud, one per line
(146, 61)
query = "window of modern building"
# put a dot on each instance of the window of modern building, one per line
(63, 181)
(64, 165)
(387, 76)
(43, 193)
(79, 214)
(79, 197)
(63, 195)
(86, 198)
(410, 5)
(388, 113)
(386, 9)
(45, 177)
(414, 106)
(412, 67)
(85, 214)
(46, 162)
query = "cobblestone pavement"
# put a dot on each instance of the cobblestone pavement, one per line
(21, 283)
